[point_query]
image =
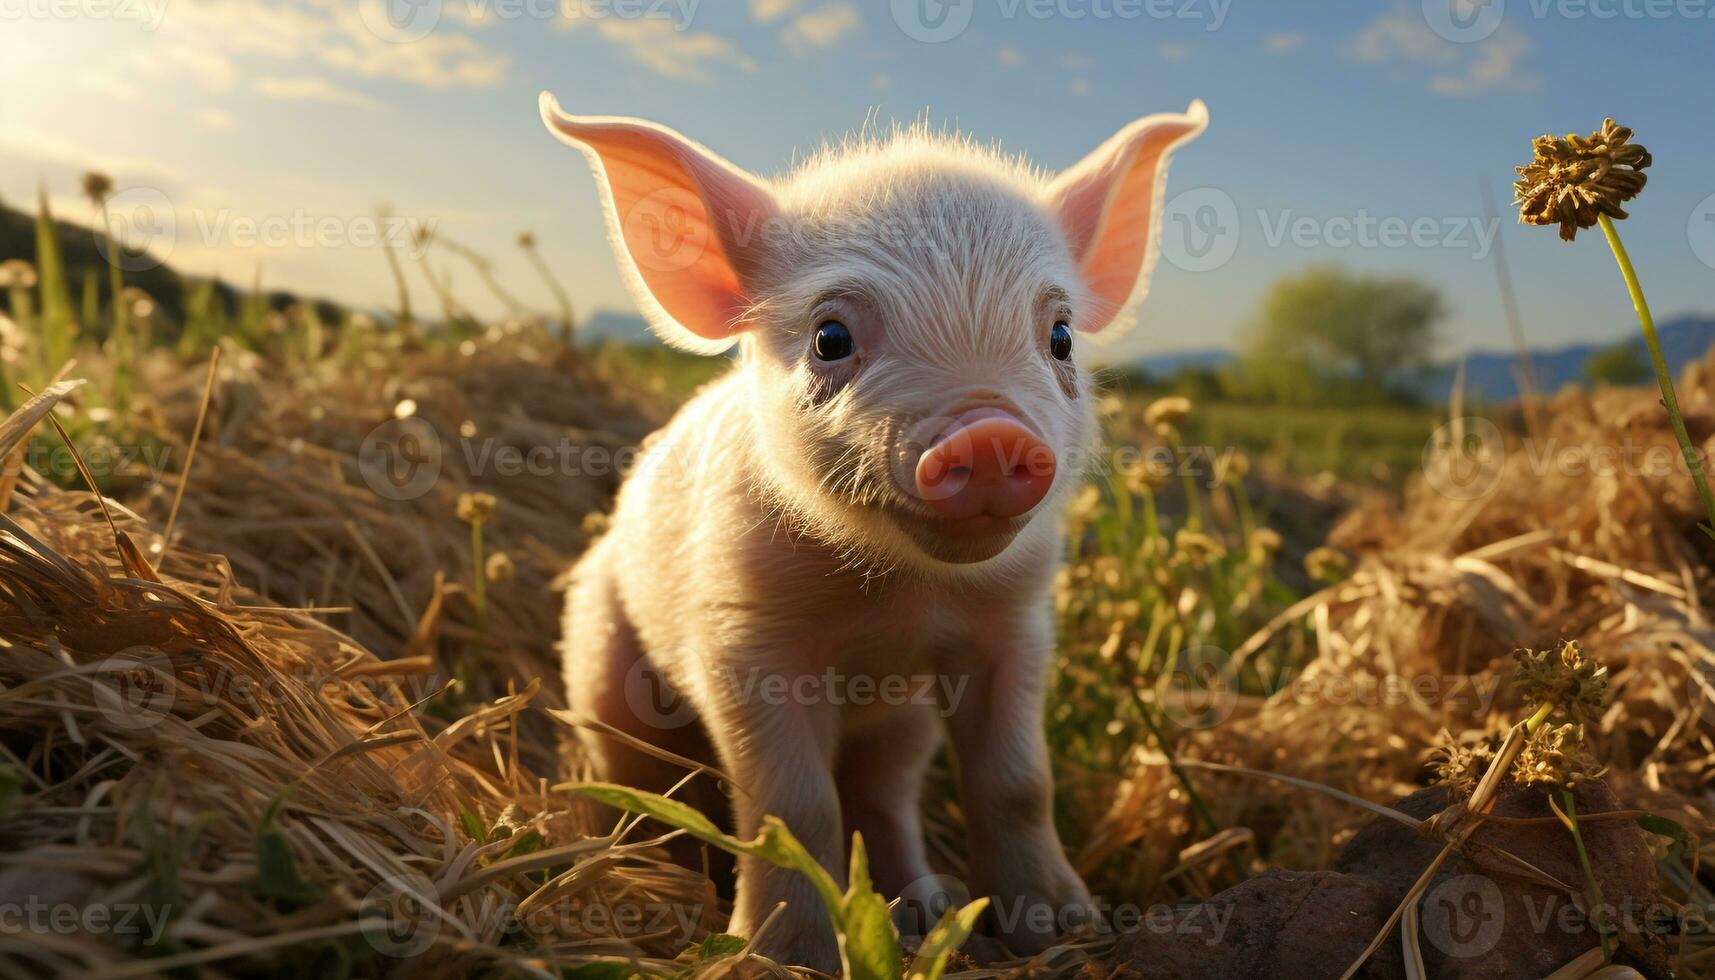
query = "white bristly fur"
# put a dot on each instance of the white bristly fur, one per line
(771, 529)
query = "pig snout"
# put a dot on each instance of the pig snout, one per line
(987, 463)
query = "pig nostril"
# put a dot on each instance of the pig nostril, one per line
(987, 464)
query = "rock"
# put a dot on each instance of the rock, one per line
(1292, 925)
(1483, 917)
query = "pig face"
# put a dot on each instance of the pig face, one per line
(912, 311)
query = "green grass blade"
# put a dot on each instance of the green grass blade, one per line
(948, 935)
(869, 944)
(57, 329)
(775, 844)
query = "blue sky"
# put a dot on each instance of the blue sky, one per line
(1343, 132)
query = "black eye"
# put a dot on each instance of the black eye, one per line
(1060, 341)
(833, 341)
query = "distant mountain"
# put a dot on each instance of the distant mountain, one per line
(1172, 362)
(83, 261)
(614, 325)
(1489, 374)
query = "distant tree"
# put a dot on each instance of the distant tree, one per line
(1619, 365)
(1198, 383)
(1329, 332)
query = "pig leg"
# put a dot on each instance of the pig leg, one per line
(880, 777)
(1007, 789)
(609, 678)
(779, 756)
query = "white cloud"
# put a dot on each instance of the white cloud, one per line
(660, 46)
(312, 88)
(109, 85)
(1173, 53)
(471, 14)
(206, 36)
(764, 11)
(820, 28)
(1454, 69)
(214, 118)
(1009, 57)
(1283, 42)
(197, 58)
(23, 143)
(1493, 68)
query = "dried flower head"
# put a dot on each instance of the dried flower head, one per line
(1166, 414)
(1143, 476)
(1232, 467)
(1575, 684)
(1555, 756)
(499, 568)
(17, 274)
(97, 186)
(1573, 178)
(1196, 547)
(142, 305)
(476, 508)
(1327, 564)
(1265, 541)
(526, 240)
(1110, 406)
(11, 341)
(1460, 765)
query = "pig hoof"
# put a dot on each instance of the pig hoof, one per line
(1030, 921)
(816, 952)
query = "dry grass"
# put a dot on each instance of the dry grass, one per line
(183, 748)
(1591, 536)
(299, 767)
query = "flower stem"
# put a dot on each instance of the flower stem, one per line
(1569, 815)
(479, 578)
(1541, 714)
(122, 354)
(1663, 376)
(1197, 804)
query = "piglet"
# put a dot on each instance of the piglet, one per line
(842, 551)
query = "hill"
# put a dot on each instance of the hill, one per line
(1489, 374)
(84, 260)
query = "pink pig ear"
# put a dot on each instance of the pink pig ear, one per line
(687, 226)
(1109, 205)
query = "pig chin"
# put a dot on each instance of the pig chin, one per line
(965, 541)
